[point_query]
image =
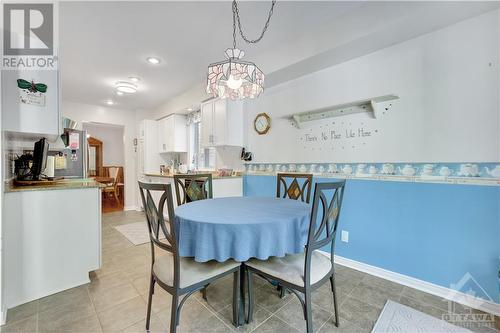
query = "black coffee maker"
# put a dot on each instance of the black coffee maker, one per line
(30, 167)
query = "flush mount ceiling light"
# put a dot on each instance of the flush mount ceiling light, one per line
(134, 78)
(119, 93)
(110, 102)
(153, 60)
(125, 87)
(234, 77)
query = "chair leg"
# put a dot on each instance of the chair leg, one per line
(334, 291)
(116, 198)
(150, 300)
(282, 291)
(308, 310)
(174, 314)
(204, 293)
(236, 298)
(250, 295)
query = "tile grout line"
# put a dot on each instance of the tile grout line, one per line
(37, 315)
(93, 307)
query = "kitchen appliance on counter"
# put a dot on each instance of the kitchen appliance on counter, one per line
(30, 167)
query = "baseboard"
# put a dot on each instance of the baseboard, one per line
(3, 319)
(18, 302)
(430, 288)
(130, 208)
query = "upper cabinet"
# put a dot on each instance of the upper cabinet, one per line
(172, 134)
(222, 123)
(26, 110)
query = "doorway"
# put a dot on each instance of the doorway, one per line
(106, 162)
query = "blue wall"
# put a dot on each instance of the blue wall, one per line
(433, 232)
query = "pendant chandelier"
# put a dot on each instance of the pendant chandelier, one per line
(233, 77)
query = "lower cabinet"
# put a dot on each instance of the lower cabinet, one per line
(52, 240)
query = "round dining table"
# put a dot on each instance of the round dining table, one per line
(241, 228)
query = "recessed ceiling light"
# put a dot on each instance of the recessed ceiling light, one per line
(119, 93)
(125, 87)
(153, 60)
(134, 78)
(189, 109)
(110, 102)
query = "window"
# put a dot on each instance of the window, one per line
(200, 158)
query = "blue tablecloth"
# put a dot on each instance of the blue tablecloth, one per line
(241, 228)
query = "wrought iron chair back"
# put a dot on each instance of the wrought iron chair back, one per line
(294, 190)
(324, 221)
(193, 187)
(156, 221)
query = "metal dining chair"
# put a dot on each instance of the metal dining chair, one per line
(195, 187)
(189, 188)
(180, 277)
(303, 273)
(294, 190)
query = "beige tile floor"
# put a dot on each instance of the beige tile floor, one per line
(115, 300)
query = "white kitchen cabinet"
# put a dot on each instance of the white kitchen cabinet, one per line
(52, 240)
(172, 134)
(147, 147)
(222, 123)
(41, 117)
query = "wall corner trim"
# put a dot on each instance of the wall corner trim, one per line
(445, 293)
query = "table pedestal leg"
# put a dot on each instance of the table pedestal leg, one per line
(242, 296)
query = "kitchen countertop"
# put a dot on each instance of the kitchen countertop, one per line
(63, 184)
(172, 175)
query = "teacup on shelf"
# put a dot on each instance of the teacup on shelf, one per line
(445, 171)
(387, 169)
(292, 168)
(332, 168)
(427, 170)
(408, 170)
(347, 169)
(360, 169)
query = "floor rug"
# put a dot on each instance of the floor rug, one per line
(137, 233)
(396, 317)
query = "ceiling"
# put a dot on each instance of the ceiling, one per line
(105, 42)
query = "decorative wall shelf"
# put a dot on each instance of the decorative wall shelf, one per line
(375, 105)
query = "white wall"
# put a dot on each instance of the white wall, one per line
(190, 98)
(448, 83)
(113, 142)
(94, 113)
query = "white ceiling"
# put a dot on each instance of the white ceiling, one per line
(104, 42)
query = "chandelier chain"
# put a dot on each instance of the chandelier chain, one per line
(236, 18)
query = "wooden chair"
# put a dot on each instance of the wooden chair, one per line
(190, 188)
(180, 277)
(294, 190)
(303, 273)
(112, 188)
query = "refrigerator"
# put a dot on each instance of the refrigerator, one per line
(71, 160)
